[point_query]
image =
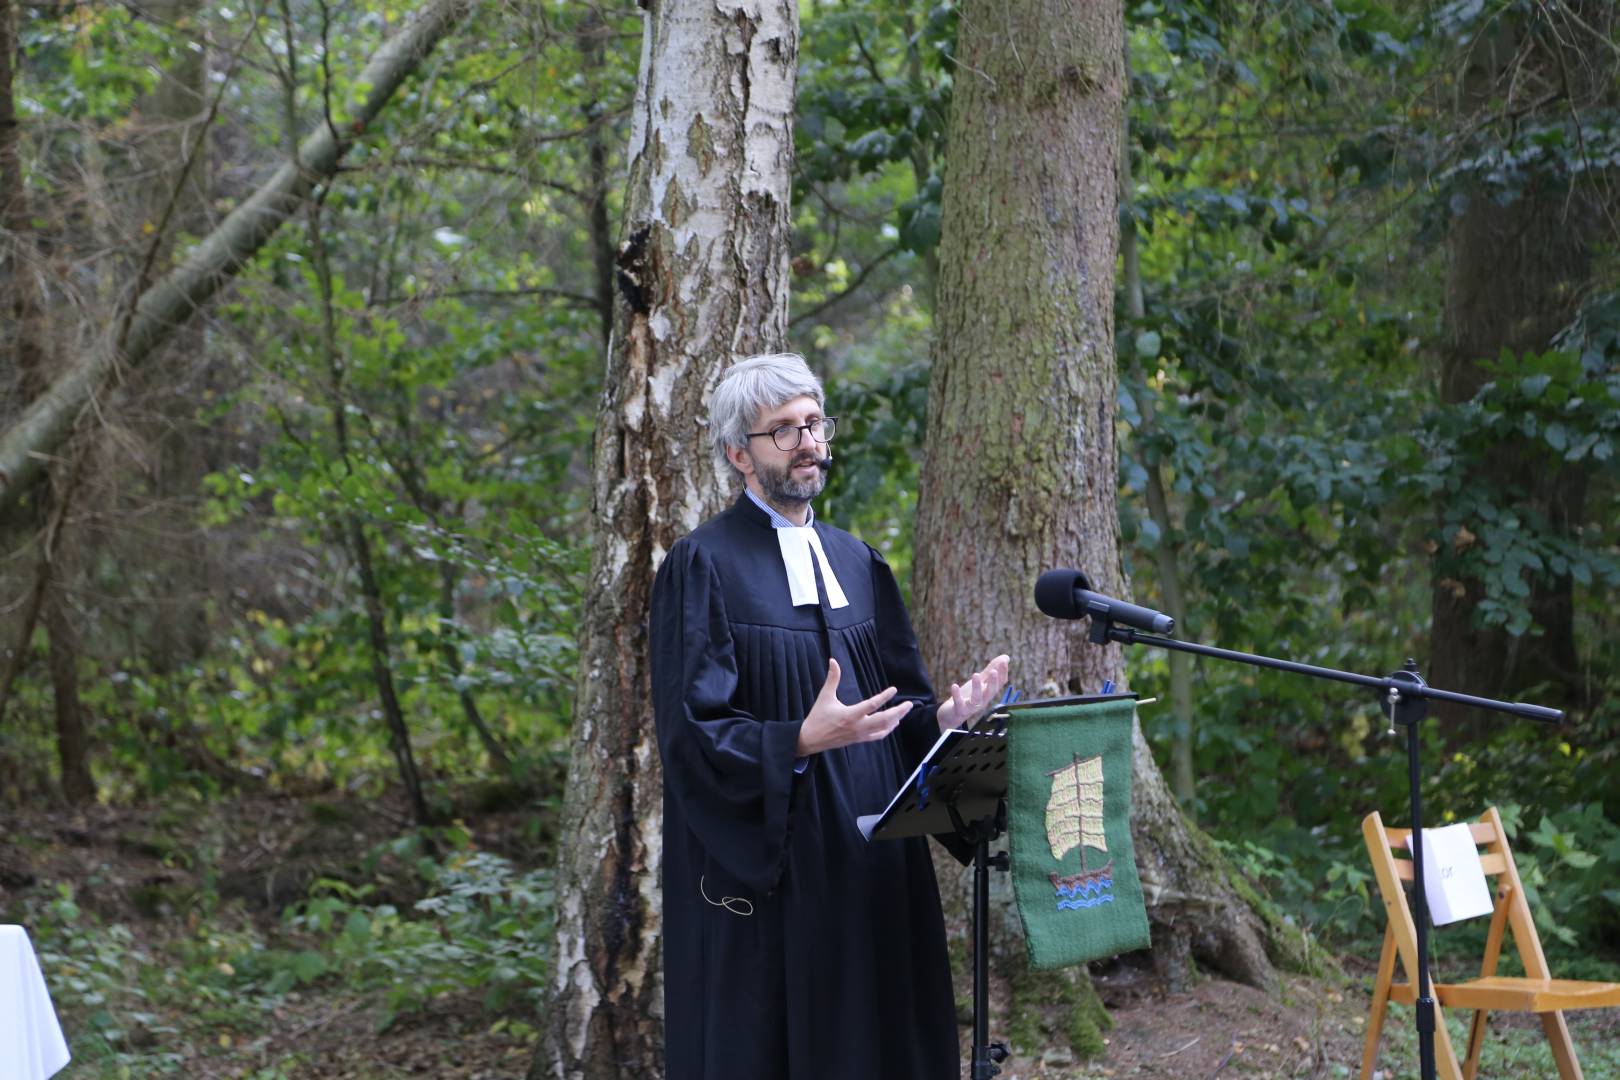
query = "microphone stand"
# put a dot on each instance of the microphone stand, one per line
(1404, 698)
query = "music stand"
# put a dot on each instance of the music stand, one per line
(960, 788)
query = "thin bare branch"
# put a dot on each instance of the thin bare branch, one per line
(860, 279)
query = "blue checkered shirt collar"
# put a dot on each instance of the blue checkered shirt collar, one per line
(777, 520)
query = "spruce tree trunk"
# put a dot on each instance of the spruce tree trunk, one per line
(22, 314)
(170, 150)
(175, 113)
(1516, 276)
(1021, 464)
(72, 743)
(701, 279)
(1520, 264)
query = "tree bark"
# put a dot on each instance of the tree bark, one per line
(26, 345)
(25, 635)
(159, 310)
(72, 744)
(172, 150)
(22, 334)
(1516, 277)
(702, 278)
(1021, 463)
(168, 169)
(11, 179)
(1518, 271)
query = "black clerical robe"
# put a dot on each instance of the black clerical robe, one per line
(793, 947)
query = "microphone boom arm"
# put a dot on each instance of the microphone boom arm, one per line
(1404, 699)
(1104, 630)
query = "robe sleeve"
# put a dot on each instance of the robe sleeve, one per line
(902, 662)
(731, 773)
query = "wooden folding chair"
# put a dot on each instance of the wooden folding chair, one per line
(1536, 992)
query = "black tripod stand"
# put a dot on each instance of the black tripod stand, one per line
(987, 1055)
(1404, 698)
(960, 788)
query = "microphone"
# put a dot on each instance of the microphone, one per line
(824, 463)
(1066, 594)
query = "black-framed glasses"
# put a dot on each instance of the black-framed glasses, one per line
(788, 436)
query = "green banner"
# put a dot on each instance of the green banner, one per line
(1069, 828)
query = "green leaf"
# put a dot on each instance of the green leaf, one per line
(308, 966)
(1533, 386)
(358, 927)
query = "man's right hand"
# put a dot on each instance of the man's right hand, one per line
(831, 723)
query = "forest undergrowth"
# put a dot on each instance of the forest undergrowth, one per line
(299, 936)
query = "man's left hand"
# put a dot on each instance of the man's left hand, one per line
(973, 699)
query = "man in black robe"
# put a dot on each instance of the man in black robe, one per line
(790, 698)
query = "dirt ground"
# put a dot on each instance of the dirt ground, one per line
(1216, 1027)
(1313, 1027)
(138, 867)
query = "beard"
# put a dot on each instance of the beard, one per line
(781, 489)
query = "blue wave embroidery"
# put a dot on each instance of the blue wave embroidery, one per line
(1084, 891)
(1080, 888)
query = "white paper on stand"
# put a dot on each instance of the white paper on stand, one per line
(31, 1043)
(1453, 879)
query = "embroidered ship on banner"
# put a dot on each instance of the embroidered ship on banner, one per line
(1074, 819)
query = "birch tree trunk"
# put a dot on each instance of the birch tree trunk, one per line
(158, 311)
(702, 277)
(1021, 463)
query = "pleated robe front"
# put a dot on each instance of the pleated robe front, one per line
(793, 947)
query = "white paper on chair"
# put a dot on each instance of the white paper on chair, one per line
(1453, 879)
(31, 1043)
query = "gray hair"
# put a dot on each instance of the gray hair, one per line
(759, 382)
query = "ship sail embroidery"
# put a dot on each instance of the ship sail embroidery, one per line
(1074, 819)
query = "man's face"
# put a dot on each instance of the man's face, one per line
(785, 477)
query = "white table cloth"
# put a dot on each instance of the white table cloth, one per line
(31, 1043)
